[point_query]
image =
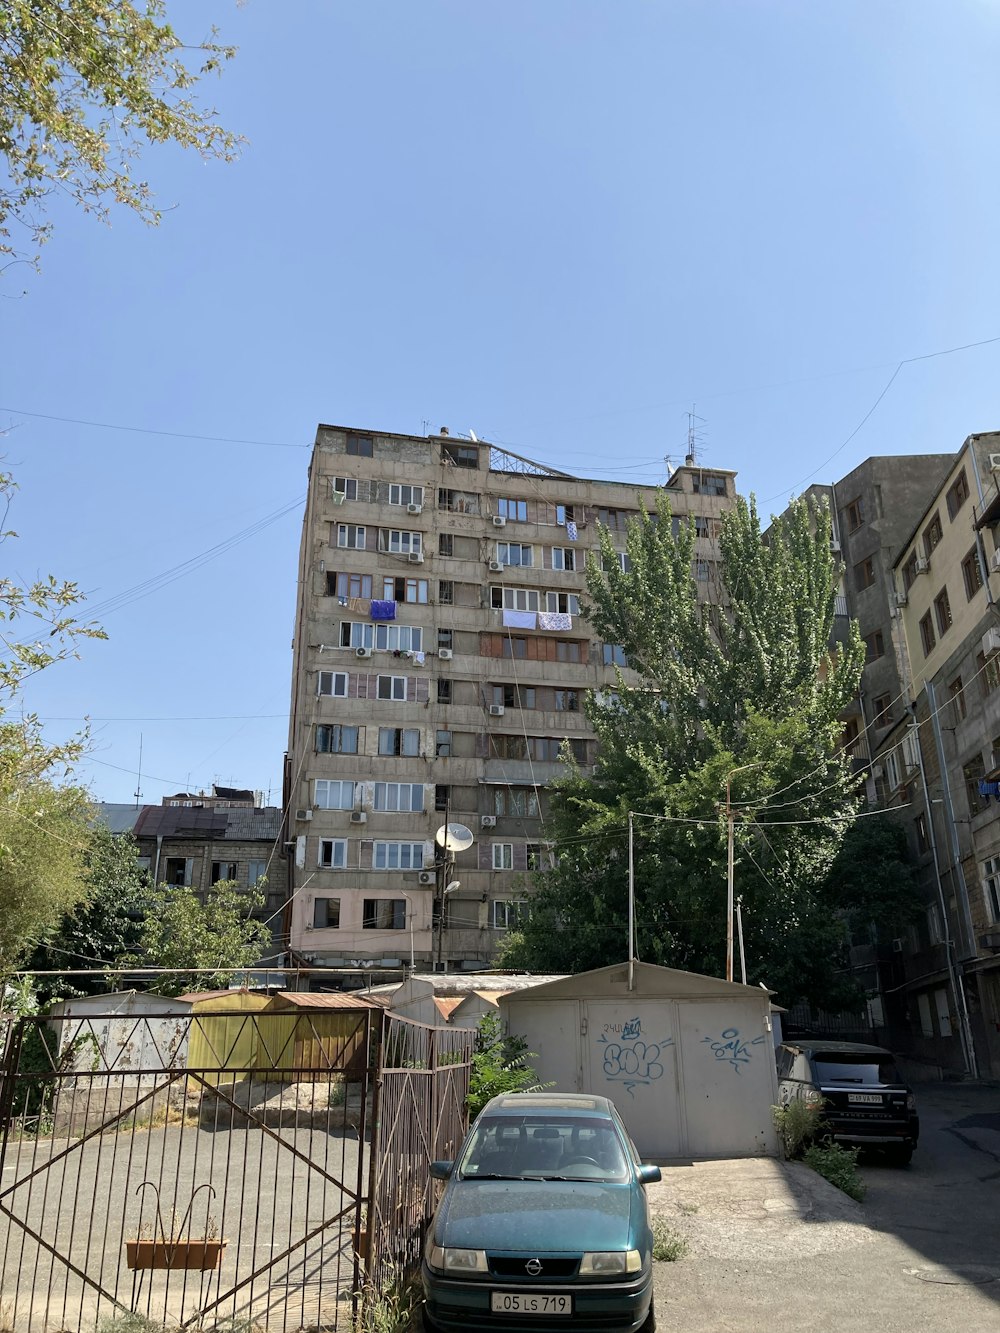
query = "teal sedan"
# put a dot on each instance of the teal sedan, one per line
(544, 1222)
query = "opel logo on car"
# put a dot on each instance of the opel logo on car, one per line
(534, 1267)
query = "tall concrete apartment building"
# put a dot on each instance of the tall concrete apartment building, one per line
(440, 665)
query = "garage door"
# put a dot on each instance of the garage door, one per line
(630, 1056)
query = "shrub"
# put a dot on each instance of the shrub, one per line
(499, 1064)
(798, 1124)
(668, 1245)
(837, 1165)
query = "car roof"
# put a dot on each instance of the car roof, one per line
(832, 1047)
(566, 1103)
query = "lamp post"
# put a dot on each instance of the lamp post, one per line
(729, 866)
(451, 839)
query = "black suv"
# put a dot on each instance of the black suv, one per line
(865, 1102)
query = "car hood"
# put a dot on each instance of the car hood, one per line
(549, 1215)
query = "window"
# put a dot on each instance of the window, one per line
(614, 519)
(384, 638)
(920, 832)
(228, 870)
(957, 693)
(332, 684)
(446, 592)
(332, 853)
(507, 913)
(336, 739)
(391, 687)
(515, 599)
(360, 446)
(334, 795)
(545, 749)
(514, 696)
(567, 701)
(446, 638)
(621, 561)
(910, 571)
(566, 602)
(326, 913)
(399, 741)
(538, 648)
(942, 609)
(973, 773)
(401, 796)
(351, 585)
(515, 802)
(614, 655)
(442, 794)
(883, 713)
(513, 553)
(397, 855)
(515, 511)
(351, 535)
(442, 744)
(404, 590)
(991, 887)
(927, 638)
(540, 856)
(343, 488)
(384, 914)
(461, 455)
(874, 646)
(446, 543)
(458, 502)
(177, 871)
(405, 495)
(256, 872)
(932, 534)
(503, 856)
(935, 934)
(988, 670)
(707, 483)
(402, 542)
(556, 514)
(864, 574)
(563, 557)
(855, 514)
(972, 574)
(444, 690)
(703, 570)
(958, 493)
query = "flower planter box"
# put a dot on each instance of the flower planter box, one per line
(199, 1255)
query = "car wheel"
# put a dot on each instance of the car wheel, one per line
(900, 1155)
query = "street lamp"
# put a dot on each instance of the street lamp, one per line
(452, 839)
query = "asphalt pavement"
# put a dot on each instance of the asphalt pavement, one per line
(772, 1246)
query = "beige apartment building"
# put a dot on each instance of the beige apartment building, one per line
(440, 665)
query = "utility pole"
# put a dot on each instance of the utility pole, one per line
(631, 903)
(730, 910)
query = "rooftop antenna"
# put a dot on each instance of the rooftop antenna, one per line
(473, 436)
(138, 776)
(695, 437)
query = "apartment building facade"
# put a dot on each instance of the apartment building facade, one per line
(441, 663)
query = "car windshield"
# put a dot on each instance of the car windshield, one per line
(845, 1068)
(531, 1147)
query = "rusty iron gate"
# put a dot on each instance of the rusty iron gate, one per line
(219, 1167)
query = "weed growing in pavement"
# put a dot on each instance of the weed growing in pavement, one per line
(798, 1124)
(837, 1165)
(390, 1304)
(127, 1321)
(668, 1245)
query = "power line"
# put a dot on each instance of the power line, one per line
(146, 430)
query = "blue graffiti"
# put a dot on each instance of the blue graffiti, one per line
(632, 1028)
(733, 1048)
(629, 1060)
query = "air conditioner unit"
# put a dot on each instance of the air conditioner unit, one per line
(995, 462)
(991, 642)
(923, 564)
(893, 611)
(488, 821)
(303, 814)
(414, 509)
(897, 944)
(995, 560)
(359, 817)
(835, 545)
(416, 557)
(362, 652)
(426, 877)
(499, 521)
(877, 772)
(496, 567)
(901, 599)
(496, 710)
(445, 654)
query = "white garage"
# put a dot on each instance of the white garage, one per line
(688, 1060)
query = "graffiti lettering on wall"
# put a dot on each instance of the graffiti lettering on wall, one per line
(630, 1058)
(733, 1048)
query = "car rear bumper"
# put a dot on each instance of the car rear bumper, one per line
(460, 1306)
(880, 1133)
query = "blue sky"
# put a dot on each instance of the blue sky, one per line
(557, 223)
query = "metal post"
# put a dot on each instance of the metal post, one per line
(739, 928)
(631, 904)
(729, 885)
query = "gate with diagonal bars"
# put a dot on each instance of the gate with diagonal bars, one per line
(202, 1168)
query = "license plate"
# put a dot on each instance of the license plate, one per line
(515, 1302)
(865, 1098)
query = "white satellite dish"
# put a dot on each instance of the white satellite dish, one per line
(454, 837)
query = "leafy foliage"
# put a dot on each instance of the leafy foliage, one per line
(743, 689)
(84, 84)
(668, 1245)
(180, 931)
(499, 1064)
(838, 1165)
(798, 1123)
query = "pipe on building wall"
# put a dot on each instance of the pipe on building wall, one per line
(958, 875)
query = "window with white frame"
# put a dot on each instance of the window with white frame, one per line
(614, 655)
(397, 855)
(332, 684)
(991, 887)
(935, 934)
(540, 856)
(225, 871)
(333, 853)
(563, 557)
(391, 687)
(508, 913)
(336, 738)
(515, 802)
(566, 602)
(910, 748)
(515, 511)
(621, 559)
(384, 638)
(256, 871)
(503, 856)
(515, 599)
(399, 741)
(345, 487)
(405, 495)
(891, 764)
(513, 553)
(401, 542)
(402, 589)
(402, 796)
(351, 535)
(333, 794)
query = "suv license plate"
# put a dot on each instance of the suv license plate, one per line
(867, 1098)
(512, 1302)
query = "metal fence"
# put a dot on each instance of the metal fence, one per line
(214, 1167)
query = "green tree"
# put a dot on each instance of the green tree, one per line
(743, 686)
(499, 1064)
(106, 928)
(180, 931)
(83, 85)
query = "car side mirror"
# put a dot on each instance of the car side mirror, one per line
(441, 1170)
(648, 1175)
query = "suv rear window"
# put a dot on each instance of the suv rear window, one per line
(855, 1069)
